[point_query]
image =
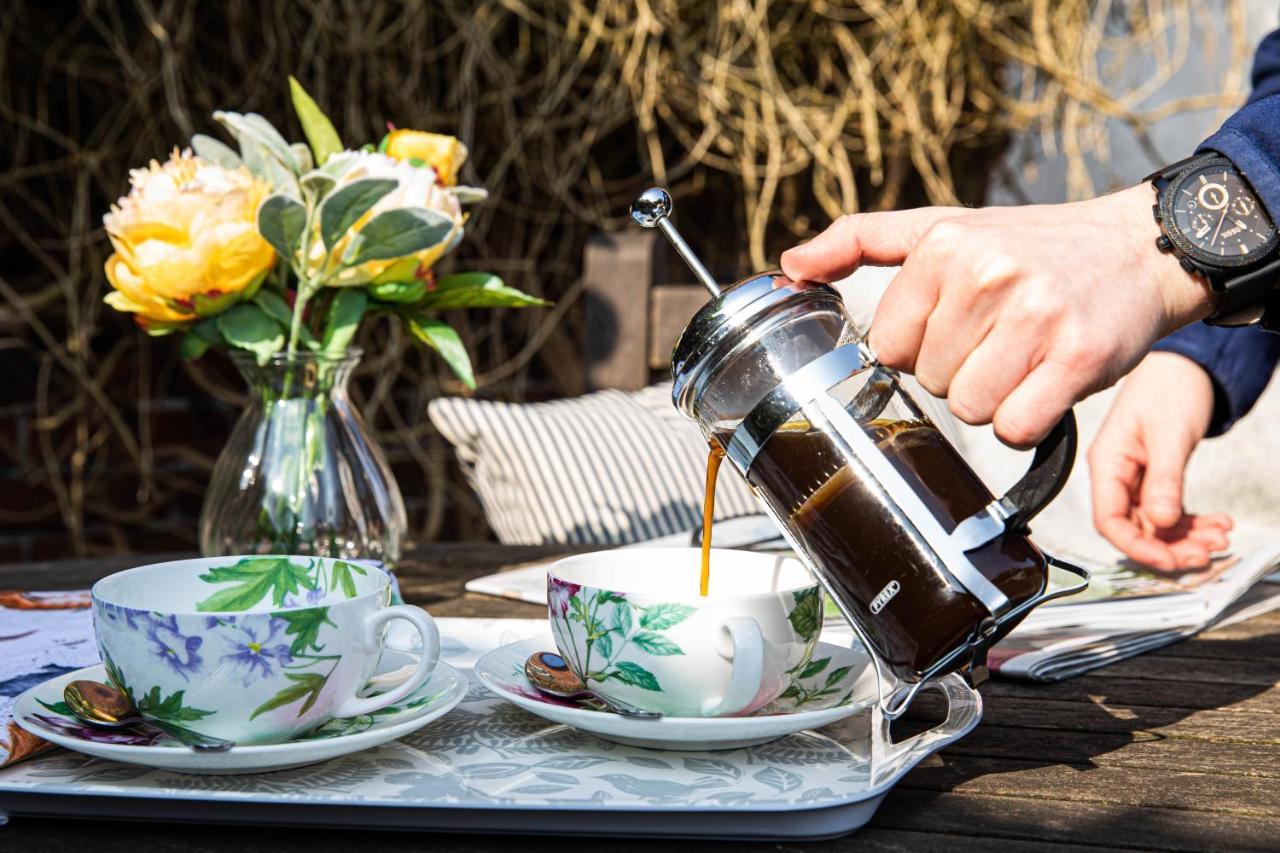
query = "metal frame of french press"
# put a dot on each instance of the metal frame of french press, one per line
(807, 391)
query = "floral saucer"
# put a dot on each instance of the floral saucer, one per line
(42, 712)
(836, 683)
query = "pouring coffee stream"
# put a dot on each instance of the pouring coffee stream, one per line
(925, 563)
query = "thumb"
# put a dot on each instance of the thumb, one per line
(881, 239)
(1161, 497)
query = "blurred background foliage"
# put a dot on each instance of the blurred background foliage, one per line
(765, 119)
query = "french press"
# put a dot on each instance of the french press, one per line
(928, 567)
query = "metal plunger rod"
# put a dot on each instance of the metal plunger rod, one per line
(653, 210)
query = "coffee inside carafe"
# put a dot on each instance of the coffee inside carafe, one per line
(877, 566)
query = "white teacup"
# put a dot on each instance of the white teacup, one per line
(252, 649)
(633, 627)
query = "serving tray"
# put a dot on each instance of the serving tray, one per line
(488, 766)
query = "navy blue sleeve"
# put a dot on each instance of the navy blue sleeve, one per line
(1240, 361)
(1251, 137)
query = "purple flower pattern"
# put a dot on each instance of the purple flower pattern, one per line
(179, 651)
(251, 650)
(559, 593)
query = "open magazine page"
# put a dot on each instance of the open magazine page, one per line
(1129, 610)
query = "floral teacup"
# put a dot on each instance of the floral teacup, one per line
(633, 627)
(252, 649)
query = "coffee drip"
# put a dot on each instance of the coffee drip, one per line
(714, 456)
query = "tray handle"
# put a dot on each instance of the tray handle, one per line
(888, 759)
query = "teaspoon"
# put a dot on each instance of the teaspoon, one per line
(549, 673)
(101, 704)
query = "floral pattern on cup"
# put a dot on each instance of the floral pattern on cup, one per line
(612, 625)
(257, 648)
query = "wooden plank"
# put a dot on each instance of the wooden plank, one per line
(671, 306)
(897, 840)
(1261, 669)
(1207, 724)
(1139, 749)
(619, 270)
(1044, 780)
(1119, 691)
(1022, 820)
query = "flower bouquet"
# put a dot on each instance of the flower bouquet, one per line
(276, 252)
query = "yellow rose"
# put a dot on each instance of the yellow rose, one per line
(186, 242)
(443, 153)
(415, 188)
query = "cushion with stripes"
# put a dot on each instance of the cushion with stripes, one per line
(611, 467)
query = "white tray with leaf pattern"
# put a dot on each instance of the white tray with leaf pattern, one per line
(490, 766)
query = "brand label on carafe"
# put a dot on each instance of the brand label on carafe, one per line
(885, 596)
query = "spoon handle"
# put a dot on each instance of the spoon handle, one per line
(195, 740)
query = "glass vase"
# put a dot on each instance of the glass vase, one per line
(301, 474)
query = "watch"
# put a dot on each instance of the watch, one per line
(1211, 220)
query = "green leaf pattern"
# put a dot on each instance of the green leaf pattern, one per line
(614, 625)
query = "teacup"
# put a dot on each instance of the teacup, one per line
(252, 649)
(633, 627)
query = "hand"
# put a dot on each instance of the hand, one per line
(1013, 314)
(1137, 462)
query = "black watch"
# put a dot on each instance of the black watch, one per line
(1212, 221)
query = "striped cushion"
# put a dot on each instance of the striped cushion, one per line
(608, 468)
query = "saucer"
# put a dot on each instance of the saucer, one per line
(837, 682)
(42, 712)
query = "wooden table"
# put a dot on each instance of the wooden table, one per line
(1176, 750)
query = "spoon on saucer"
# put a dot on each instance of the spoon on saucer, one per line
(549, 673)
(101, 704)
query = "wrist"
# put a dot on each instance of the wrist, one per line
(1173, 384)
(1184, 297)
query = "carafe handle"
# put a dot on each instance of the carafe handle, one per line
(1050, 467)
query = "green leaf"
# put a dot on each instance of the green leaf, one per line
(655, 644)
(248, 327)
(302, 155)
(399, 232)
(635, 675)
(215, 151)
(342, 578)
(662, 616)
(400, 292)
(344, 319)
(476, 290)
(274, 306)
(281, 221)
(813, 668)
(316, 126)
(468, 195)
(60, 708)
(200, 337)
(255, 577)
(836, 675)
(341, 209)
(442, 338)
(169, 708)
(604, 645)
(806, 616)
(622, 618)
(304, 626)
(305, 684)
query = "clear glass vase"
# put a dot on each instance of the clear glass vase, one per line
(301, 474)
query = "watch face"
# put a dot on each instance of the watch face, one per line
(1216, 218)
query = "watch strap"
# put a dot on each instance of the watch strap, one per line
(1244, 300)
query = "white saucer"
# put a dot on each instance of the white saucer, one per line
(33, 711)
(838, 682)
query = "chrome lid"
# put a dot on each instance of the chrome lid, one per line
(726, 319)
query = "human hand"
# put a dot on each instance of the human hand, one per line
(1137, 461)
(1013, 313)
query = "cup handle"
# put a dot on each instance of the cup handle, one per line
(373, 623)
(747, 672)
